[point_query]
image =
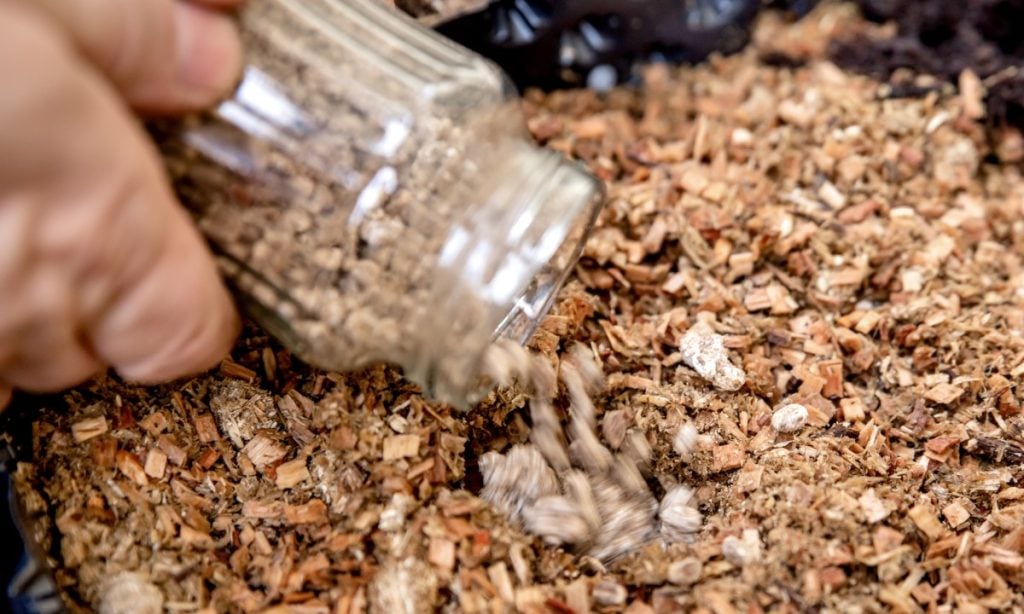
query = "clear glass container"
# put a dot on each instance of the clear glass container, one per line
(372, 194)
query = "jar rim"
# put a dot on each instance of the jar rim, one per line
(539, 296)
(503, 265)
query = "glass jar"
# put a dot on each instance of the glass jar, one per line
(372, 195)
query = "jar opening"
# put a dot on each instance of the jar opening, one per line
(537, 298)
(502, 266)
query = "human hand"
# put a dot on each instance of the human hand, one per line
(99, 265)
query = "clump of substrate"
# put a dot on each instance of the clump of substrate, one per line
(130, 593)
(569, 488)
(704, 351)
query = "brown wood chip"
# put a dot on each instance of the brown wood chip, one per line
(262, 450)
(314, 512)
(129, 465)
(728, 457)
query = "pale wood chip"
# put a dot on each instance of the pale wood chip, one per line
(156, 463)
(155, 423)
(173, 451)
(441, 553)
(261, 509)
(874, 508)
(86, 429)
(925, 519)
(401, 446)
(944, 394)
(955, 514)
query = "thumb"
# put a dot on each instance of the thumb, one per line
(163, 56)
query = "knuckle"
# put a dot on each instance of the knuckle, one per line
(139, 39)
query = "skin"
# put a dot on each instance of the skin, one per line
(100, 266)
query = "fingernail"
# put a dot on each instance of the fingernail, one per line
(209, 53)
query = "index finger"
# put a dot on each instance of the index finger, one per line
(219, 4)
(163, 56)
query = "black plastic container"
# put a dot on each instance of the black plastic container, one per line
(597, 43)
(25, 577)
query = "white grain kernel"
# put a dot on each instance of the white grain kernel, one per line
(742, 551)
(609, 593)
(686, 440)
(684, 572)
(789, 418)
(558, 520)
(678, 517)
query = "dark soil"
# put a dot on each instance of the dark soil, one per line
(943, 38)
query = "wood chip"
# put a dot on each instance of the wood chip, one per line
(944, 394)
(955, 514)
(972, 93)
(208, 458)
(441, 553)
(155, 423)
(262, 450)
(129, 465)
(728, 457)
(832, 371)
(314, 512)
(886, 539)
(173, 451)
(502, 581)
(292, 473)
(86, 429)
(206, 428)
(232, 369)
(401, 446)
(260, 509)
(853, 409)
(194, 538)
(873, 507)
(156, 463)
(925, 519)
